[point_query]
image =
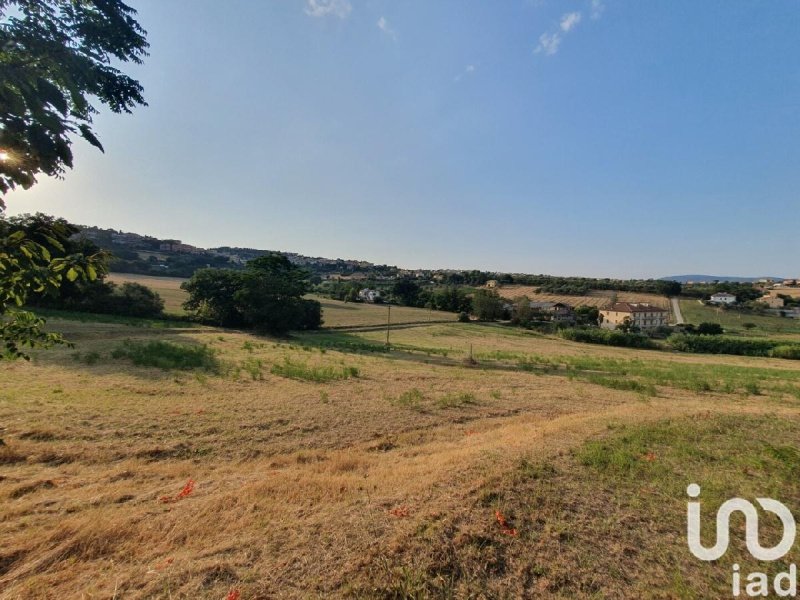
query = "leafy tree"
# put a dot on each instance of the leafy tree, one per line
(267, 296)
(587, 315)
(487, 305)
(627, 326)
(211, 296)
(270, 298)
(56, 54)
(406, 292)
(522, 313)
(709, 329)
(27, 267)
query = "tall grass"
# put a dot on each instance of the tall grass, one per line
(318, 374)
(168, 355)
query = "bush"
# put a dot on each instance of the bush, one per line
(608, 338)
(790, 351)
(136, 300)
(166, 355)
(709, 329)
(463, 317)
(715, 344)
(297, 370)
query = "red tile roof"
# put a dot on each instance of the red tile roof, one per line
(634, 307)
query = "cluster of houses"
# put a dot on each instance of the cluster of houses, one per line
(642, 315)
(773, 298)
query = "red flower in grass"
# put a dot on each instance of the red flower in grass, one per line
(399, 511)
(504, 526)
(234, 594)
(650, 457)
(187, 490)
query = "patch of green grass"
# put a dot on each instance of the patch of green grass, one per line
(455, 400)
(168, 355)
(412, 398)
(253, 367)
(318, 374)
(736, 322)
(615, 383)
(85, 317)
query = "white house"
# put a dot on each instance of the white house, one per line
(368, 295)
(722, 298)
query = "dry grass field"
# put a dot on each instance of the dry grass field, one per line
(326, 466)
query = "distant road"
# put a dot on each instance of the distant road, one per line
(676, 309)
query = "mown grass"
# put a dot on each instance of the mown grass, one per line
(168, 355)
(643, 375)
(625, 490)
(294, 369)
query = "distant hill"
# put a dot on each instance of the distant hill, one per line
(711, 278)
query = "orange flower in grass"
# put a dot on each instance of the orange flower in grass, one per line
(234, 594)
(187, 490)
(504, 526)
(399, 511)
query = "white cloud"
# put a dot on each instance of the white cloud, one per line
(548, 44)
(569, 21)
(468, 70)
(324, 8)
(383, 25)
(597, 8)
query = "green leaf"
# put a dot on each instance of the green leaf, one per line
(72, 274)
(87, 134)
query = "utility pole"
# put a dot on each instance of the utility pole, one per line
(388, 322)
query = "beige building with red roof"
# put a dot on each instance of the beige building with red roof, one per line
(640, 314)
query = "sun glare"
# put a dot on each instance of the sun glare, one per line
(4, 156)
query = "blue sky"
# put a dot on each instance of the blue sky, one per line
(607, 138)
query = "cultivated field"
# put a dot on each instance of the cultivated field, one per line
(325, 466)
(598, 298)
(734, 322)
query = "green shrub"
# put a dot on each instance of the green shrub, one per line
(168, 355)
(608, 337)
(790, 351)
(305, 372)
(715, 344)
(410, 398)
(455, 400)
(709, 329)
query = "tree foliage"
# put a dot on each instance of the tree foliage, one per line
(487, 305)
(266, 296)
(27, 267)
(54, 56)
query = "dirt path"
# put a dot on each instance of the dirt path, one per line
(676, 310)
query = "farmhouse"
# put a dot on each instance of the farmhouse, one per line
(639, 314)
(555, 311)
(368, 295)
(772, 301)
(722, 298)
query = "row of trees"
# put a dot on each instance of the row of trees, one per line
(266, 296)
